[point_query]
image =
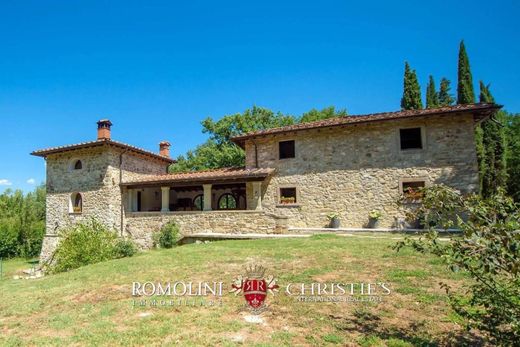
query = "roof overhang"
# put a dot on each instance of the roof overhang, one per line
(480, 113)
(100, 143)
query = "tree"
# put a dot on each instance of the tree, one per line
(445, 98)
(491, 148)
(327, 112)
(411, 99)
(432, 97)
(487, 251)
(513, 155)
(465, 94)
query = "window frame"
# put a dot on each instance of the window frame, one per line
(73, 209)
(279, 196)
(280, 152)
(423, 139)
(201, 202)
(405, 180)
(227, 208)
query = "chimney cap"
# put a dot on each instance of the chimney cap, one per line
(104, 122)
(164, 143)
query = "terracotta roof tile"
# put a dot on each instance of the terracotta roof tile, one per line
(483, 110)
(223, 174)
(45, 152)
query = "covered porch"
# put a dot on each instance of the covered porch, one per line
(223, 189)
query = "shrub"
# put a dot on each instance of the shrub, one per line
(9, 237)
(87, 243)
(488, 251)
(124, 248)
(168, 236)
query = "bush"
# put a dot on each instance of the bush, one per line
(88, 243)
(124, 248)
(9, 237)
(168, 236)
(488, 251)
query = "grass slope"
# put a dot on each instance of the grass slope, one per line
(93, 305)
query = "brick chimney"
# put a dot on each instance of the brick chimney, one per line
(103, 129)
(164, 149)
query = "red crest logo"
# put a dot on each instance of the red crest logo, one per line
(255, 288)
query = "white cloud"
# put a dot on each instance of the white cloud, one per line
(31, 181)
(5, 182)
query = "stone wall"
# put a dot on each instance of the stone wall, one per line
(140, 226)
(355, 169)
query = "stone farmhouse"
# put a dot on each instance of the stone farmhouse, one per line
(293, 178)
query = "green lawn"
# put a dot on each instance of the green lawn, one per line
(93, 305)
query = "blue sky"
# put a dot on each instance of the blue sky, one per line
(157, 68)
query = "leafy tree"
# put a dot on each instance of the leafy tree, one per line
(218, 151)
(445, 98)
(488, 251)
(315, 115)
(513, 155)
(432, 97)
(491, 148)
(465, 94)
(411, 99)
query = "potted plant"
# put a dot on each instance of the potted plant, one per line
(334, 221)
(373, 218)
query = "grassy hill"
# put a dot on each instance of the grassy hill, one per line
(93, 305)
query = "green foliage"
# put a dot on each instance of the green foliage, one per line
(411, 99)
(465, 94)
(326, 113)
(513, 155)
(87, 243)
(22, 219)
(488, 251)
(375, 214)
(432, 97)
(218, 151)
(124, 248)
(169, 235)
(445, 98)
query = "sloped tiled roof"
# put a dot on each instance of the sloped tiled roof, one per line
(479, 110)
(223, 174)
(45, 152)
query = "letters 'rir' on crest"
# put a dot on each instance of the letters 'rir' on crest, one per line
(255, 286)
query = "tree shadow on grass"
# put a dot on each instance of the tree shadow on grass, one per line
(370, 324)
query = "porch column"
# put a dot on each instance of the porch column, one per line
(257, 195)
(207, 197)
(165, 199)
(130, 200)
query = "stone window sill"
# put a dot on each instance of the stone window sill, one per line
(288, 205)
(75, 213)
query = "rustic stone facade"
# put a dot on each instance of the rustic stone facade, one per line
(355, 169)
(348, 169)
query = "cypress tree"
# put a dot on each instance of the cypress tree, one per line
(445, 98)
(411, 99)
(465, 94)
(432, 97)
(492, 165)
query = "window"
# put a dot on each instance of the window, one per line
(410, 138)
(286, 149)
(76, 202)
(198, 202)
(227, 202)
(78, 165)
(288, 196)
(412, 190)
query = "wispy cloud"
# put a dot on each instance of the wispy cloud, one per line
(31, 181)
(5, 182)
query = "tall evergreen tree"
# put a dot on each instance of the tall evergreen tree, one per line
(411, 99)
(445, 98)
(465, 94)
(432, 97)
(492, 162)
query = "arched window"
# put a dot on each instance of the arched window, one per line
(198, 202)
(76, 202)
(78, 165)
(227, 202)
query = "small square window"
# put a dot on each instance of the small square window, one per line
(410, 138)
(412, 190)
(286, 149)
(288, 196)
